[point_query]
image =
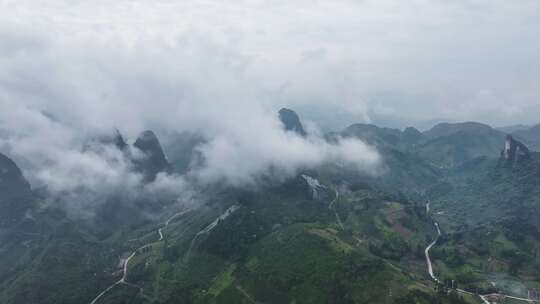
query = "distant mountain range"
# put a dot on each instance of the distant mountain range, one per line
(330, 118)
(329, 234)
(513, 128)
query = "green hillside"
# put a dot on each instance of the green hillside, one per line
(490, 214)
(330, 234)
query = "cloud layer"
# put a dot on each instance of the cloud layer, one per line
(69, 70)
(462, 60)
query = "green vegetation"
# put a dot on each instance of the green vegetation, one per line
(284, 246)
(489, 213)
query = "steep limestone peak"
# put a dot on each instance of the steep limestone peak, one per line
(154, 160)
(514, 150)
(291, 121)
(12, 181)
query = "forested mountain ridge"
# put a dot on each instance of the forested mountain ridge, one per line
(329, 234)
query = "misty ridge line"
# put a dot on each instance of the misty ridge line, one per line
(84, 171)
(73, 72)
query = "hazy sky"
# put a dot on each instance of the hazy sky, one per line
(89, 61)
(72, 67)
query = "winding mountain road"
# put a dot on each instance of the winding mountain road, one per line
(315, 186)
(332, 207)
(209, 228)
(123, 280)
(428, 259)
(432, 274)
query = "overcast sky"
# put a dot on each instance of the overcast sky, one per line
(89, 61)
(69, 67)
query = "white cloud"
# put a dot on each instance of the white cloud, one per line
(240, 158)
(340, 52)
(224, 68)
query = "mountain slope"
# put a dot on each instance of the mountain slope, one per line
(446, 129)
(15, 193)
(282, 245)
(329, 235)
(402, 170)
(450, 145)
(490, 214)
(384, 137)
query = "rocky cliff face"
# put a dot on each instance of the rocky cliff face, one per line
(15, 193)
(153, 159)
(12, 181)
(514, 150)
(146, 154)
(315, 187)
(291, 121)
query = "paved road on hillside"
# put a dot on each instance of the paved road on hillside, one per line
(209, 228)
(332, 207)
(428, 259)
(432, 275)
(123, 280)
